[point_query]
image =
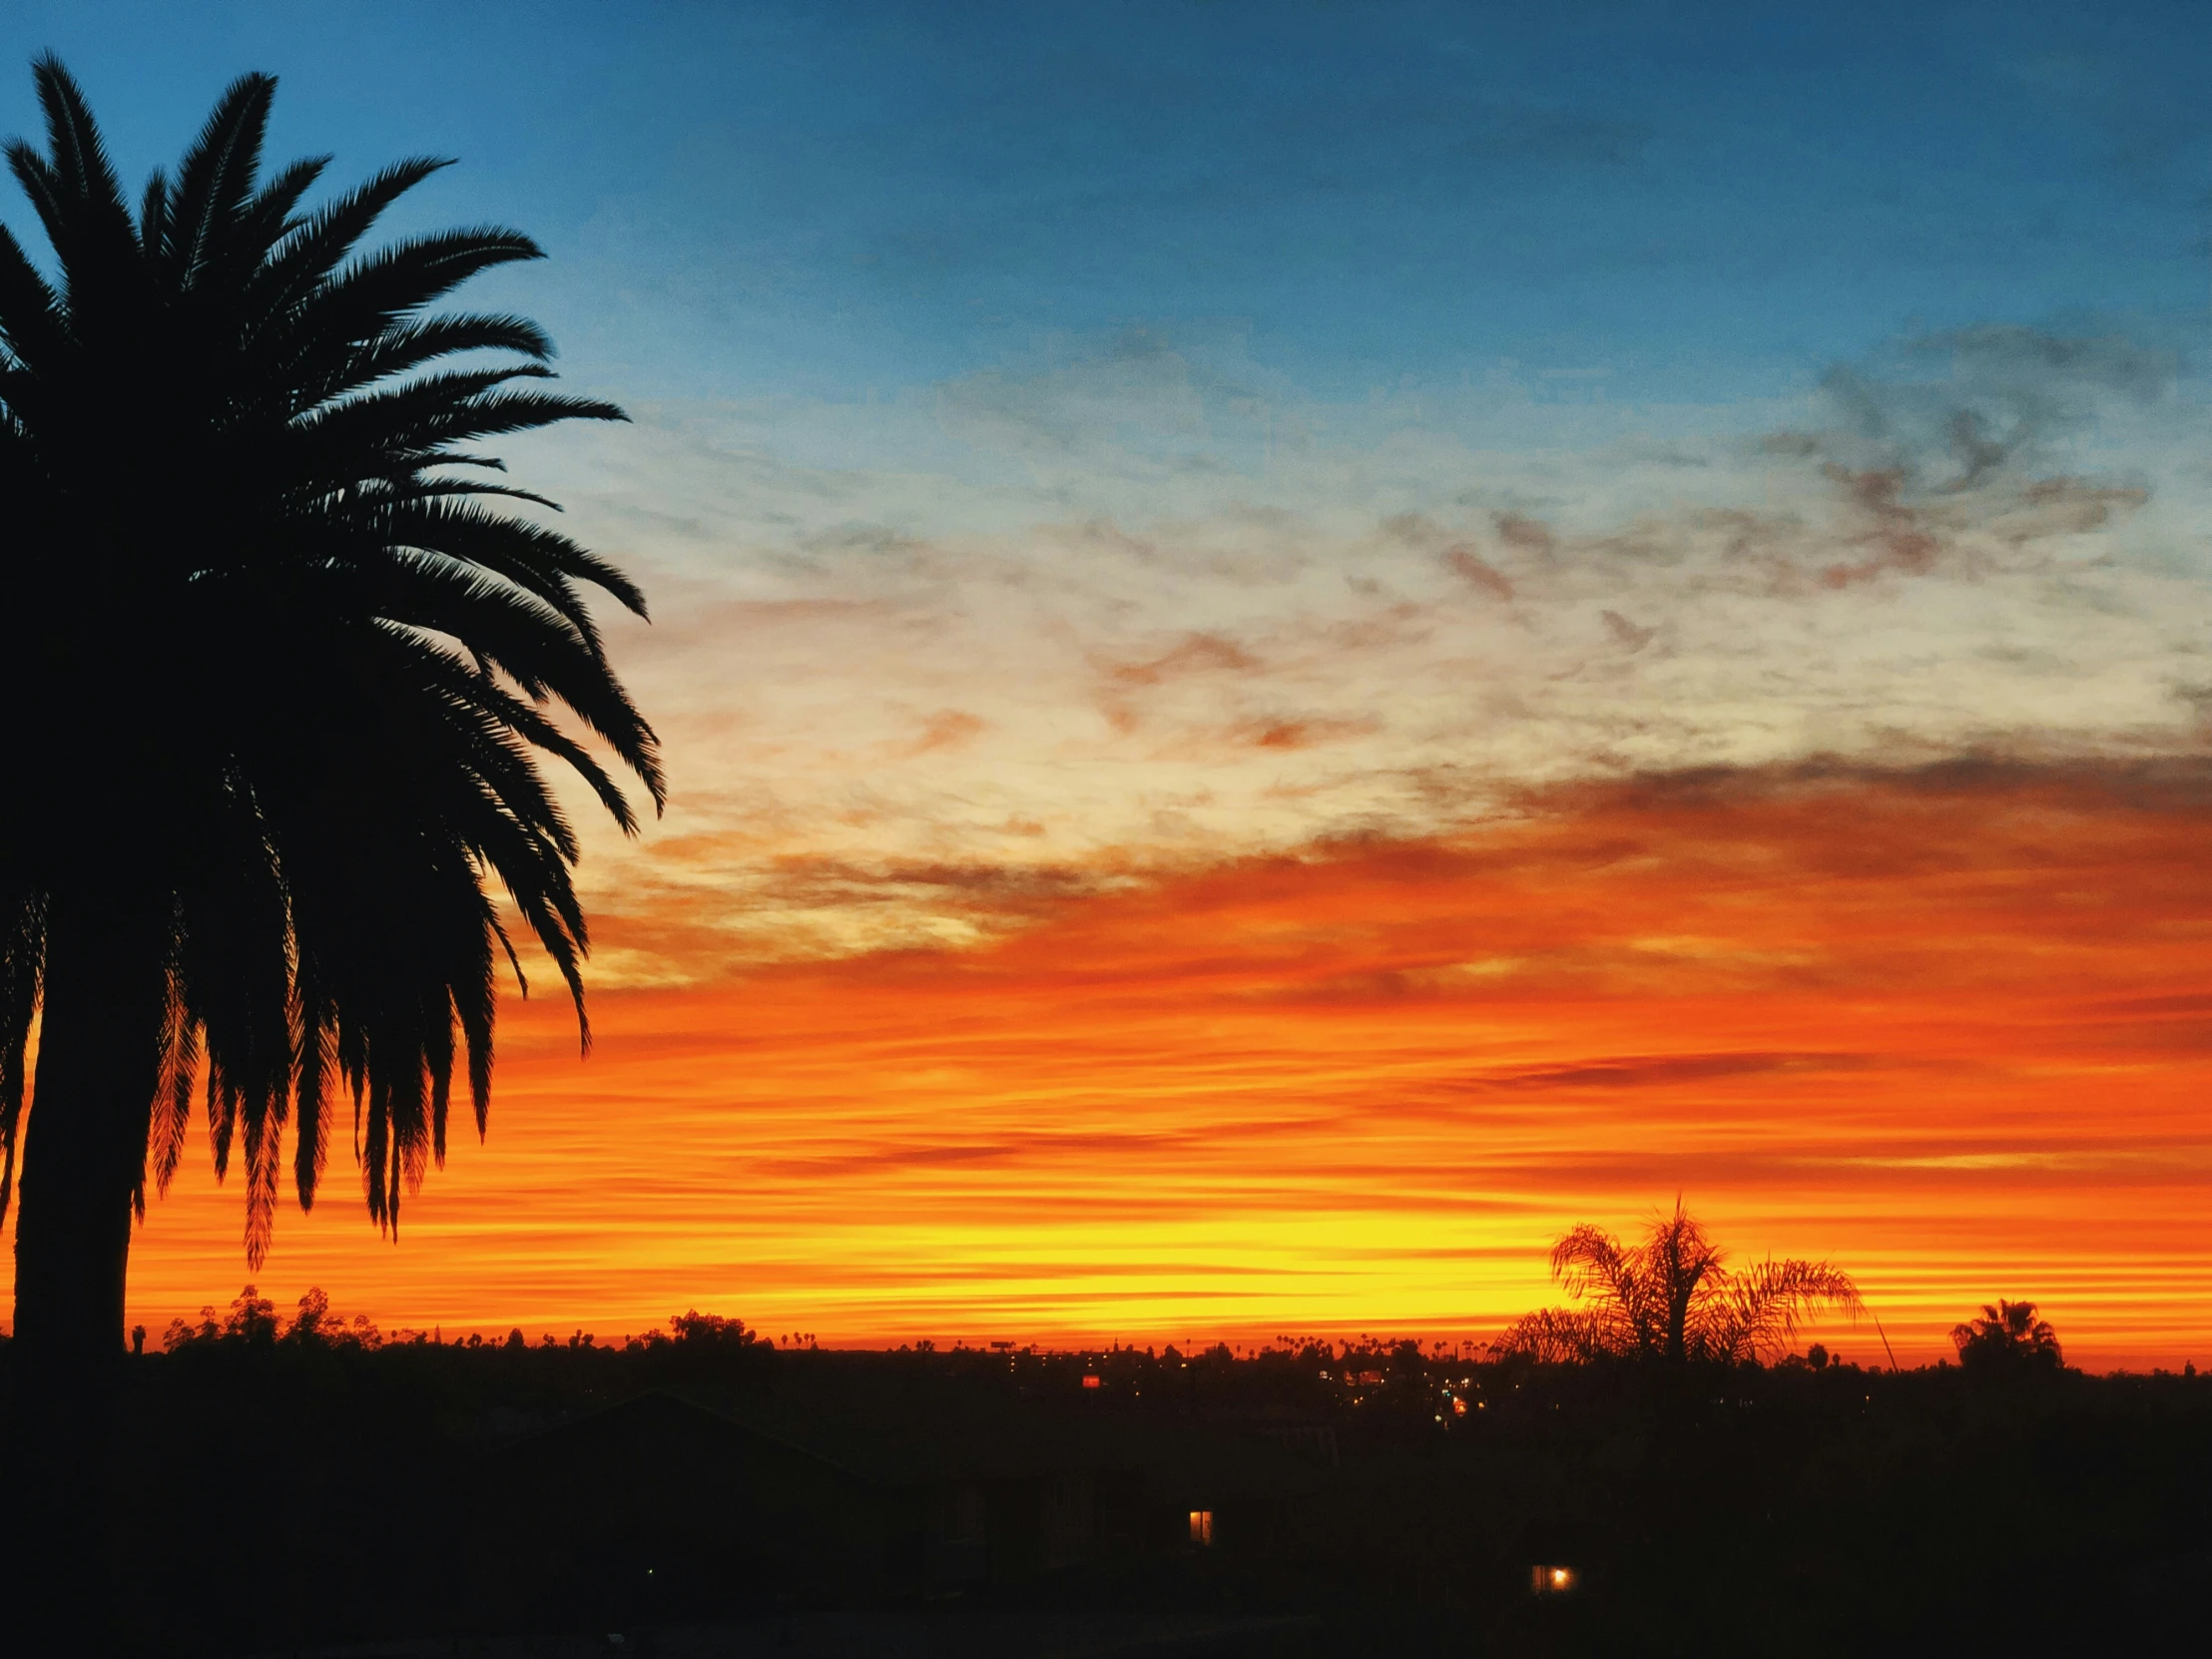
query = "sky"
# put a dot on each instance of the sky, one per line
(1299, 645)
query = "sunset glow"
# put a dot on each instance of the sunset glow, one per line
(1950, 1029)
(1298, 647)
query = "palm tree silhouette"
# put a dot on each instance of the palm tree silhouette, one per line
(1672, 1298)
(2009, 1334)
(280, 667)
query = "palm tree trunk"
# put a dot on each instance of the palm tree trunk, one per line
(83, 1153)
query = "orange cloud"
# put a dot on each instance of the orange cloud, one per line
(1194, 653)
(1951, 1028)
(1287, 733)
(1529, 534)
(1464, 562)
(947, 729)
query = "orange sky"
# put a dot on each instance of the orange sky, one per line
(1950, 1028)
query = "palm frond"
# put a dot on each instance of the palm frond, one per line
(30, 311)
(77, 197)
(1760, 1309)
(310, 252)
(1558, 1335)
(214, 181)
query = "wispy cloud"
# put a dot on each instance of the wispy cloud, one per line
(1152, 608)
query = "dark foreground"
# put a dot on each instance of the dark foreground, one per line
(713, 1497)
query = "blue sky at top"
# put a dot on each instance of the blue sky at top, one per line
(1662, 202)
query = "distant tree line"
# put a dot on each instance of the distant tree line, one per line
(252, 1321)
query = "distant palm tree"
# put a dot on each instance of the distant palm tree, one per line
(1672, 1298)
(276, 674)
(2009, 1334)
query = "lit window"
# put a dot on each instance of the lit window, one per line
(1202, 1527)
(1552, 1581)
(1090, 1380)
